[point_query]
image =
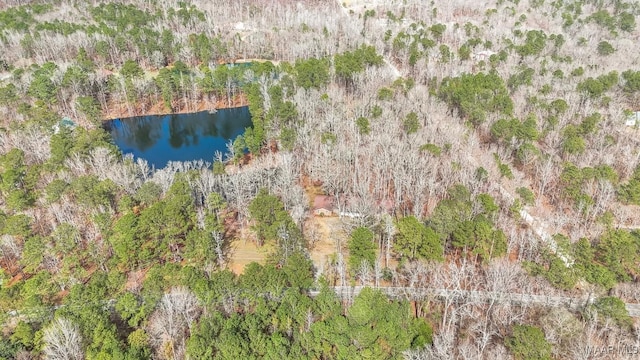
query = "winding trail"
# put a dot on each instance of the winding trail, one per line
(540, 229)
(537, 225)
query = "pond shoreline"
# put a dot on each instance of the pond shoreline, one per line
(124, 110)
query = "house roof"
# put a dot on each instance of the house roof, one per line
(323, 202)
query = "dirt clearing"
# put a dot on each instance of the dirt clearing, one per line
(329, 237)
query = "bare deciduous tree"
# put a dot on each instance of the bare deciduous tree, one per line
(62, 341)
(170, 323)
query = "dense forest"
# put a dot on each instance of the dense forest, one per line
(482, 162)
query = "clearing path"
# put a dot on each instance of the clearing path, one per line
(329, 236)
(539, 227)
(244, 252)
(331, 239)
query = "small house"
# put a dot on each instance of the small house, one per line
(323, 205)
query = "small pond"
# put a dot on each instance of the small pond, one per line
(178, 137)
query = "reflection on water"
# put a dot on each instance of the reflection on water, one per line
(179, 137)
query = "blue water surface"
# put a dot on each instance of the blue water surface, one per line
(179, 137)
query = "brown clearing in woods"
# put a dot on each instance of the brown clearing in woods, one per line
(245, 251)
(329, 233)
(328, 230)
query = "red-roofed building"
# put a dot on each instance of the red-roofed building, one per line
(323, 205)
